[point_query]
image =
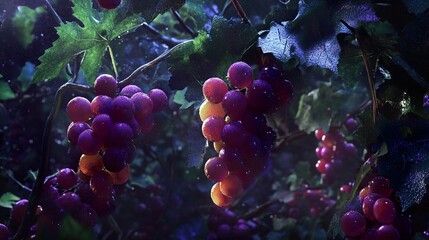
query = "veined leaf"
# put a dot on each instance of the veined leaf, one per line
(99, 29)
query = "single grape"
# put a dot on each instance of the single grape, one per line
(74, 130)
(130, 90)
(4, 232)
(218, 198)
(224, 231)
(79, 109)
(254, 122)
(251, 148)
(120, 134)
(89, 143)
(260, 96)
(387, 232)
(240, 75)
(146, 122)
(232, 134)
(69, 202)
(101, 184)
(121, 177)
(319, 133)
(214, 89)
(368, 205)
(101, 104)
(384, 210)
(104, 205)
(326, 153)
(106, 84)
(90, 164)
(351, 124)
(353, 223)
(66, 178)
(215, 169)
(231, 157)
(109, 4)
(283, 91)
(363, 193)
(18, 211)
(159, 99)
(114, 159)
(122, 109)
(234, 103)
(143, 103)
(380, 185)
(320, 166)
(101, 126)
(212, 128)
(208, 109)
(231, 186)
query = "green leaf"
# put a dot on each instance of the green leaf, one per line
(70, 229)
(5, 92)
(150, 9)
(276, 42)
(7, 199)
(99, 29)
(209, 55)
(180, 98)
(196, 146)
(24, 20)
(327, 105)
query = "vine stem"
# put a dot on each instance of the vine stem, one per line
(112, 58)
(182, 23)
(44, 163)
(367, 69)
(240, 11)
(170, 41)
(149, 65)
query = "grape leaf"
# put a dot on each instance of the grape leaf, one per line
(24, 21)
(150, 9)
(312, 35)
(407, 163)
(209, 55)
(179, 98)
(196, 146)
(7, 199)
(327, 104)
(99, 29)
(70, 229)
(416, 6)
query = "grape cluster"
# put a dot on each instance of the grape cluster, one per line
(224, 225)
(107, 144)
(308, 202)
(234, 121)
(378, 218)
(336, 155)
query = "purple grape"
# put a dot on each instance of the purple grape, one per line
(232, 134)
(159, 99)
(130, 90)
(387, 232)
(146, 122)
(351, 124)
(101, 104)
(368, 205)
(85, 193)
(74, 130)
(353, 224)
(234, 103)
(242, 231)
(18, 211)
(251, 148)
(48, 198)
(232, 158)
(106, 84)
(121, 134)
(215, 169)
(66, 178)
(104, 205)
(88, 143)
(135, 127)
(122, 109)
(101, 126)
(114, 159)
(240, 75)
(87, 216)
(142, 103)
(254, 122)
(79, 109)
(224, 231)
(4, 232)
(69, 202)
(101, 184)
(260, 97)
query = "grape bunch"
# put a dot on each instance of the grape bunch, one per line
(308, 202)
(378, 217)
(234, 121)
(224, 224)
(107, 144)
(336, 155)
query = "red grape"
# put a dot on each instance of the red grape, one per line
(79, 109)
(353, 224)
(240, 75)
(109, 4)
(74, 130)
(231, 186)
(380, 185)
(218, 198)
(368, 205)
(384, 210)
(212, 128)
(106, 84)
(214, 89)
